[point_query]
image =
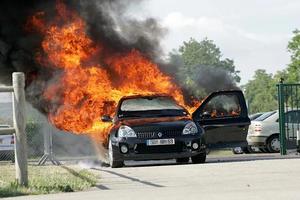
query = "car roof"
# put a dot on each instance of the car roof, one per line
(135, 96)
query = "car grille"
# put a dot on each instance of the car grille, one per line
(155, 134)
(144, 149)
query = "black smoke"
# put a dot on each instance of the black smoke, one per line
(109, 22)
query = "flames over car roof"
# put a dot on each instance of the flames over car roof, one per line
(151, 95)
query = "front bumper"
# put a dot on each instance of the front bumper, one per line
(138, 149)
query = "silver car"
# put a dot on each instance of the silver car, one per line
(264, 131)
(7, 145)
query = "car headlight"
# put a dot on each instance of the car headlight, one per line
(190, 128)
(126, 131)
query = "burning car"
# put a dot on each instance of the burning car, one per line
(153, 127)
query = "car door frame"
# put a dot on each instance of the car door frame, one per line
(213, 134)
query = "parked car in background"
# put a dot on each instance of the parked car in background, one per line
(264, 131)
(255, 115)
(7, 146)
(247, 149)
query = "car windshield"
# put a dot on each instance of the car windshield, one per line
(265, 116)
(152, 106)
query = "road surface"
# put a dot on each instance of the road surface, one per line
(236, 177)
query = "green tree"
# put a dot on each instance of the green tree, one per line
(194, 58)
(293, 69)
(205, 52)
(261, 92)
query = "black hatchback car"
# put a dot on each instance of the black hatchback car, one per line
(155, 127)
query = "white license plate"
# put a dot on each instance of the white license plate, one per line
(154, 142)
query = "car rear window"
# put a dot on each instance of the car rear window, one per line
(265, 116)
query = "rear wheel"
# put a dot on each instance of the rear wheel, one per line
(200, 158)
(273, 144)
(182, 160)
(112, 160)
(248, 149)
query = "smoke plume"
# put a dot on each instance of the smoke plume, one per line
(107, 22)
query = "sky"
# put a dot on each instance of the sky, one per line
(5, 97)
(253, 33)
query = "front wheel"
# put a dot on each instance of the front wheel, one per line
(112, 160)
(200, 158)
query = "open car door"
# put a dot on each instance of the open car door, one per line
(224, 117)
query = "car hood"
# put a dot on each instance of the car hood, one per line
(156, 121)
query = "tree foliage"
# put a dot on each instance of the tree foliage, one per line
(196, 62)
(261, 92)
(293, 69)
(205, 52)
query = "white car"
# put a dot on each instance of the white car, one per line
(264, 131)
(7, 145)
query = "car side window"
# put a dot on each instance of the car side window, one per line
(297, 117)
(223, 106)
(292, 117)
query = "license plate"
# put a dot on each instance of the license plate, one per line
(154, 142)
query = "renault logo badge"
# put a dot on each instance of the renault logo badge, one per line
(159, 134)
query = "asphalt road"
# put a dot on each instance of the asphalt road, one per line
(235, 177)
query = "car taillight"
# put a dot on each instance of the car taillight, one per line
(257, 128)
(12, 141)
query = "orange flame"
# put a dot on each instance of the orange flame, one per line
(89, 90)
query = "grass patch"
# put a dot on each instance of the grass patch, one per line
(45, 180)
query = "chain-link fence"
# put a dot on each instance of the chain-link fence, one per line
(6, 121)
(63, 146)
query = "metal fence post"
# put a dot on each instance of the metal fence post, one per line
(282, 134)
(19, 119)
(48, 147)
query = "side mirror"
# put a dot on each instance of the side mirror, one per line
(106, 118)
(205, 115)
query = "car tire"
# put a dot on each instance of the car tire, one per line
(248, 149)
(200, 158)
(237, 150)
(182, 160)
(111, 157)
(273, 144)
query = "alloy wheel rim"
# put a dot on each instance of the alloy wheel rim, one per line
(275, 144)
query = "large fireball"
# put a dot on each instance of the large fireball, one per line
(85, 90)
